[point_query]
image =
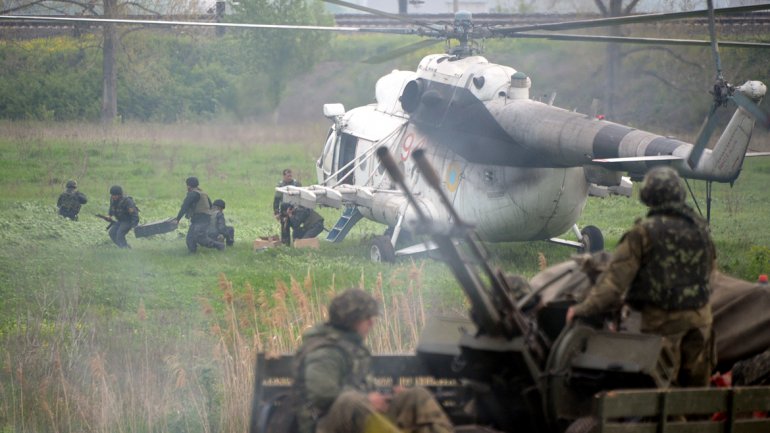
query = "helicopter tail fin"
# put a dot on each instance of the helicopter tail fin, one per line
(724, 162)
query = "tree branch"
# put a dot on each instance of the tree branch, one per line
(662, 80)
(671, 52)
(630, 7)
(602, 8)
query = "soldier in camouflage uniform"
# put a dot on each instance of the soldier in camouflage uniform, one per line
(218, 229)
(126, 214)
(197, 207)
(70, 201)
(305, 223)
(335, 391)
(279, 207)
(661, 267)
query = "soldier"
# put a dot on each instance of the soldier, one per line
(70, 201)
(279, 208)
(218, 229)
(661, 268)
(197, 207)
(126, 214)
(305, 223)
(333, 388)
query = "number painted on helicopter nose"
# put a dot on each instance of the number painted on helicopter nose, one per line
(408, 145)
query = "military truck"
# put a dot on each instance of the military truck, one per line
(515, 366)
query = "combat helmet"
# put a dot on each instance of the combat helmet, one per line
(662, 185)
(116, 190)
(192, 182)
(219, 203)
(350, 307)
(72, 184)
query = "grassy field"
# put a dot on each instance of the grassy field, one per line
(93, 338)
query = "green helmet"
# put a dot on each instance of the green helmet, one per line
(72, 184)
(219, 203)
(350, 307)
(116, 190)
(662, 185)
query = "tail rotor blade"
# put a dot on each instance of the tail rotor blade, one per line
(703, 137)
(753, 109)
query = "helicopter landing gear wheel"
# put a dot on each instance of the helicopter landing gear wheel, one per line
(382, 250)
(593, 240)
(586, 424)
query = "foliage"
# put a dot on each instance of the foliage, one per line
(278, 54)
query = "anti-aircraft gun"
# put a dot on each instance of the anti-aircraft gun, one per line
(515, 366)
(524, 369)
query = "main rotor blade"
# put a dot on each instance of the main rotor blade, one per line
(398, 52)
(754, 110)
(633, 40)
(400, 31)
(713, 36)
(707, 128)
(630, 19)
(382, 13)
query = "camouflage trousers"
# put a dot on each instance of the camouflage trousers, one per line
(198, 234)
(689, 335)
(118, 233)
(413, 410)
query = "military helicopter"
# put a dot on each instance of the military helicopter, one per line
(516, 168)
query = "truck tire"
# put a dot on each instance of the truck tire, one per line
(586, 424)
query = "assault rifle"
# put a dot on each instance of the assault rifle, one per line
(108, 219)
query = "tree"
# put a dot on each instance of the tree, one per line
(282, 54)
(111, 38)
(613, 8)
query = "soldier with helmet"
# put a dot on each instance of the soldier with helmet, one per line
(280, 208)
(126, 214)
(333, 388)
(197, 207)
(661, 268)
(71, 200)
(218, 228)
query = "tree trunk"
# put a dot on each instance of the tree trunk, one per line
(613, 62)
(109, 71)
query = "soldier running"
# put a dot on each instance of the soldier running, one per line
(126, 214)
(197, 207)
(70, 201)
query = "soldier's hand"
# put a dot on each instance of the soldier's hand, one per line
(379, 401)
(570, 315)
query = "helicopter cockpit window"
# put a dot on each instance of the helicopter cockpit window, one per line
(478, 82)
(327, 157)
(345, 157)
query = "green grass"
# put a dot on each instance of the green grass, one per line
(92, 337)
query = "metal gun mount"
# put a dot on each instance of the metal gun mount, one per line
(525, 369)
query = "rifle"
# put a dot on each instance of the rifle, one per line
(108, 219)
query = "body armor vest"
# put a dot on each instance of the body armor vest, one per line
(119, 208)
(203, 204)
(70, 200)
(674, 275)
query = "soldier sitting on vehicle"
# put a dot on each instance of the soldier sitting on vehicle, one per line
(305, 223)
(662, 268)
(126, 214)
(70, 201)
(333, 388)
(218, 228)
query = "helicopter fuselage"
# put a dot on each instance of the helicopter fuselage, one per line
(516, 168)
